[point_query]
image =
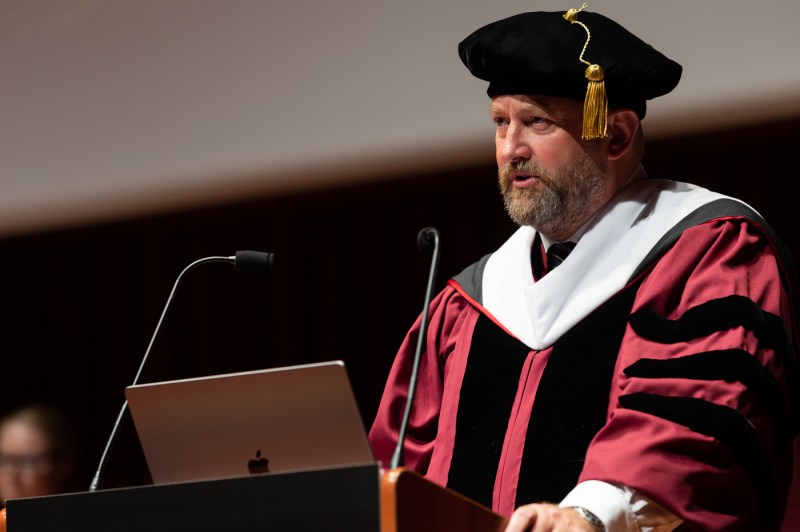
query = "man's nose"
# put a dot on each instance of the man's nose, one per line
(515, 146)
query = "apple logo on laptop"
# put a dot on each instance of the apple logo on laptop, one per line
(259, 464)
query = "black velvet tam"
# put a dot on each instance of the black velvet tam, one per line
(538, 53)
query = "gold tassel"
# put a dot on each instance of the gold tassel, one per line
(595, 105)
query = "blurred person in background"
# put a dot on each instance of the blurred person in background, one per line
(39, 453)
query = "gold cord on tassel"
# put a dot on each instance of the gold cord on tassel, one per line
(595, 105)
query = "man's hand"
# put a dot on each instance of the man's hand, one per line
(543, 517)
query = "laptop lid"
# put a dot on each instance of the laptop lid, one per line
(282, 419)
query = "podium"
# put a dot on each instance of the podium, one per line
(354, 499)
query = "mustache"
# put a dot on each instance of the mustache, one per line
(526, 167)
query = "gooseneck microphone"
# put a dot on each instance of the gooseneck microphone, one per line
(249, 261)
(428, 243)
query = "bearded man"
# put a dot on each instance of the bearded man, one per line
(649, 382)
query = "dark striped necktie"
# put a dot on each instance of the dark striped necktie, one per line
(557, 253)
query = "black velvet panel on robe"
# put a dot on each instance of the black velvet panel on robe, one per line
(571, 406)
(487, 396)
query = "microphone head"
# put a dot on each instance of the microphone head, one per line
(427, 239)
(254, 261)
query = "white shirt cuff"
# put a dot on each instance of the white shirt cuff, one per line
(621, 509)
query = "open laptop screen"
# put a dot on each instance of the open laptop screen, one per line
(282, 419)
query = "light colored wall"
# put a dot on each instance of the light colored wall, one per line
(117, 107)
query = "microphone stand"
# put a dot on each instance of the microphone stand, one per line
(424, 242)
(246, 260)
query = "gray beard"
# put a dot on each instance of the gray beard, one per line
(561, 200)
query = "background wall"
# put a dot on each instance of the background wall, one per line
(140, 136)
(113, 108)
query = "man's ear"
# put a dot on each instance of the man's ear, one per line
(623, 125)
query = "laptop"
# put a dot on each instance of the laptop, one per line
(273, 420)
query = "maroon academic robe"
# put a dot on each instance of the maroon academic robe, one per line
(681, 386)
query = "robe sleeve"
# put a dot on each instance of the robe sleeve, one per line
(701, 414)
(444, 315)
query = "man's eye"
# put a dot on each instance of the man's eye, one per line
(500, 122)
(536, 120)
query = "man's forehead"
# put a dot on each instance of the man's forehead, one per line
(550, 104)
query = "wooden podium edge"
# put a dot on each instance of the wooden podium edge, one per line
(412, 503)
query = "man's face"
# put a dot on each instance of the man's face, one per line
(549, 178)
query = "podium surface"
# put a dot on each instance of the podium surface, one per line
(345, 499)
(348, 499)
